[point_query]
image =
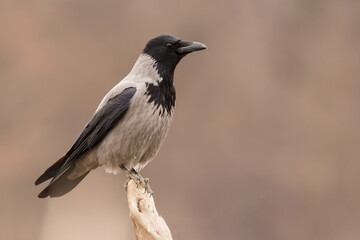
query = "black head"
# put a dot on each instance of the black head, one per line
(168, 50)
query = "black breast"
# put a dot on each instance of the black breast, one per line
(162, 95)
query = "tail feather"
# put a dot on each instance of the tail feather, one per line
(61, 184)
(51, 171)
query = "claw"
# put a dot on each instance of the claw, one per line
(137, 180)
(147, 187)
(142, 181)
(133, 174)
(126, 184)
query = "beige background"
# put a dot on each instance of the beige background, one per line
(265, 139)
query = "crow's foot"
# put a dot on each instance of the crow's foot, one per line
(139, 180)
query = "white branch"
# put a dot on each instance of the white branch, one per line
(146, 222)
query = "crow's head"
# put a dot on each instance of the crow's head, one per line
(168, 50)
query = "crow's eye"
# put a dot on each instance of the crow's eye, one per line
(169, 45)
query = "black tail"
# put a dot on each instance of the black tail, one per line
(51, 171)
(60, 184)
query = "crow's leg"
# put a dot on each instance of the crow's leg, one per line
(144, 181)
(130, 176)
(133, 174)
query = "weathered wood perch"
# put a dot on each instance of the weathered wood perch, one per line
(146, 222)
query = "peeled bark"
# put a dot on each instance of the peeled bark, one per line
(146, 222)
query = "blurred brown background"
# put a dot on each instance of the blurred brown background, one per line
(265, 139)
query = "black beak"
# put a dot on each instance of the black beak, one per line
(188, 47)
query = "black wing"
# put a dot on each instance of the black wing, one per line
(94, 132)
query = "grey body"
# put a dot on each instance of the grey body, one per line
(138, 136)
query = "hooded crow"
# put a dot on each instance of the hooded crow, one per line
(131, 122)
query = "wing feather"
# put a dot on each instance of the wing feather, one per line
(96, 129)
